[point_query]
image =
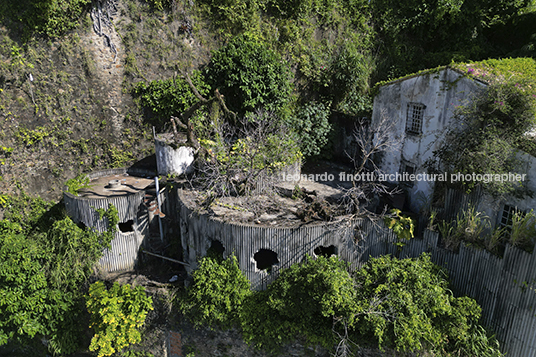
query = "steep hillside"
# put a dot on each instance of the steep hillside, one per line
(65, 105)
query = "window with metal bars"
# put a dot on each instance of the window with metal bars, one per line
(414, 118)
(507, 216)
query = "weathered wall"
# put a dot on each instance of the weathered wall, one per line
(123, 254)
(441, 92)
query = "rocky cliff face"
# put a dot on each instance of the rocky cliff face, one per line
(65, 104)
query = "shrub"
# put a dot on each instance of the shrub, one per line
(313, 127)
(49, 17)
(43, 263)
(403, 226)
(116, 316)
(75, 184)
(234, 16)
(350, 72)
(250, 75)
(486, 141)
(170, 97)
(412, 309)
(302, 301)
(216, 294)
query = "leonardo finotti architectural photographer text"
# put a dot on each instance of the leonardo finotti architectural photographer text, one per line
(407, 177)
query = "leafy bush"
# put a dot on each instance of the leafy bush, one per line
(116, 316)
(302, 301)
(43, 262)
(291, 9)
(413, 309)
(313, 127)
(250, 75)
(402, 225)
(234, 16)
(216, 294)
(248, 156)
(170, 97)
(489, 131)
(350, 72)
(49, 17)
(77, 183)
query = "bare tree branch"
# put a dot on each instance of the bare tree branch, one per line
(371, 141)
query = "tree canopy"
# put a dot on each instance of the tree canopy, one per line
(44, 259)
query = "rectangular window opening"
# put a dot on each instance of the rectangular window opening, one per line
(408, 169)
(414, 118)
(508, 215)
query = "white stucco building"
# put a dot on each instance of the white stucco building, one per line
(422, 107)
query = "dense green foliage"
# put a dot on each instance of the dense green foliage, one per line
(415, 310)
(414, 35)
(75, 184)
(44, 259)
(350, 73)
(117, 315)
(233, 16)
(486, 141)
(498, 70)
(250, 75)
(48, 17)
(401, 304)
(217, 293)
(170, 97)
(302, 301)
(313, 127)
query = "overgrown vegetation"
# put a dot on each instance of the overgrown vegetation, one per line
(217, 293)
(45, 260)
(284, 67)
(250, 75)
(117, 315)
(248, 159)
(412, 309)
(47, 17)
(415, 35)
(389, 303)
(491, 127)
(77, 183)
(474, 228)
(170, 97)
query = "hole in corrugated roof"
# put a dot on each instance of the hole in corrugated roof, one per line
(265, 259)
(127, 226)
(325, 251)
(216, 250)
